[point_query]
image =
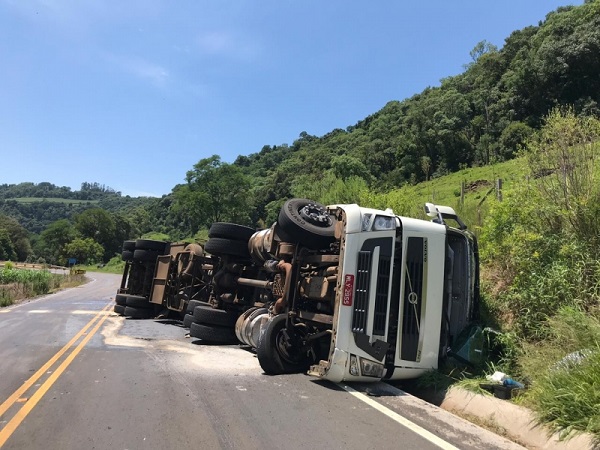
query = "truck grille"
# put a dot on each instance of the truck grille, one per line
(413, 299)
(381, 296)
(363, 283)
(361, 296)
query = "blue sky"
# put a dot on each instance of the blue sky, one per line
(131, 94)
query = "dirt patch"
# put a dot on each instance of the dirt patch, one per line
(476, 185)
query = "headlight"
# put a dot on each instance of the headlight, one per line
(365, 367)
(366, 222)
(371, 368)
(383, 223)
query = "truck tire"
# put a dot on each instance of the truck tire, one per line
(231, 231)
(148, 244)
(192, 305)
(121, 299)
(139, 313)
(146, 255)
(187, 320)
(129, 245)
(306, 222)
(274, 354)
(220, 246)
(127, 255)
(119, 309)
(138, 301)
(211, 316)
(213, 334)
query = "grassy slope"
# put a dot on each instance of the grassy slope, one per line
(479, 191)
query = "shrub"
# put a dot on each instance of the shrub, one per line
(568, 397)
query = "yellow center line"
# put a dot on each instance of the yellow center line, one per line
(10, 427)
(36, 376)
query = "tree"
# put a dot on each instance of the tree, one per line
(86, 251)
(345, 166)
(481, 49)
(215, 192)
(53, 239)
(7, 251)
(513, 138)
(106, 228)
(18, 237)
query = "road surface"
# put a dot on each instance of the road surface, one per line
(73, 375)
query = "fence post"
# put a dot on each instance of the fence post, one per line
(499, 189)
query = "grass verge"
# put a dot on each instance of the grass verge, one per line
(19, 284)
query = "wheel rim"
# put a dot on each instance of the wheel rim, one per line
(282, 345)
(315, 215)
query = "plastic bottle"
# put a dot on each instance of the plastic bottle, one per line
(509, 382)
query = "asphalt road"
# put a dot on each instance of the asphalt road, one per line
(73, 375)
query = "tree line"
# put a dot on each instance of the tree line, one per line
(88, 191)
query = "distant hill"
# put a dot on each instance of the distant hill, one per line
(35, 206)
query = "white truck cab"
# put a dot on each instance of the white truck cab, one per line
(377, 296)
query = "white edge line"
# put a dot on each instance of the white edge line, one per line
(399, 419)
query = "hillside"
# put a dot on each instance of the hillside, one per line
(477, 118)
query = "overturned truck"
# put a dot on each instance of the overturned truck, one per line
(342, 292)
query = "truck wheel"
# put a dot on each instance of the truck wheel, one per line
(137, 301)
(220, 246)
(277, 350)
(253, 327)
(129, 245)
(211, 316)
(187, 320)
(192, 305)
(215, 334)
(139, 313)
(306, 222)
(119, 309)
(146, 255)
(121, 299)
(239, 323)
(148, 244)
(127, 255)
(231, 231)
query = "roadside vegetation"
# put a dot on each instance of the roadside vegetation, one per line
(542, 273)
(19, 284)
